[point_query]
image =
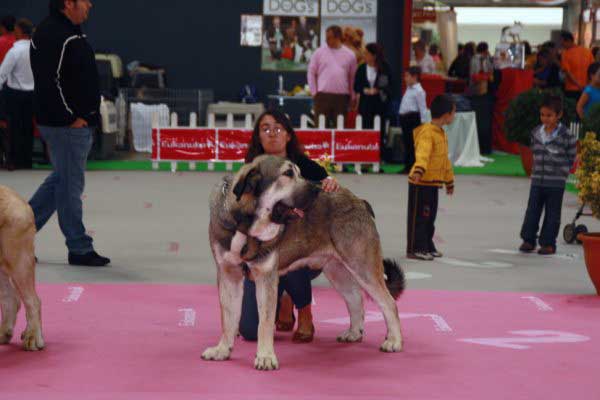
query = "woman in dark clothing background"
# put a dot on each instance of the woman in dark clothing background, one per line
(461, 65)
(274, 135)
(547, 72)
(373, 86)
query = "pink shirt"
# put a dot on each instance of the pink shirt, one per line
(332, 71)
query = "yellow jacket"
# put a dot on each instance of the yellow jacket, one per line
(431, 154)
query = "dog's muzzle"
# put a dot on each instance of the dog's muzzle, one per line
(283, 213)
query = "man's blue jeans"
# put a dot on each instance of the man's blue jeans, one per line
(62, 189)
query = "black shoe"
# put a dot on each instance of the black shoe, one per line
(91, 259)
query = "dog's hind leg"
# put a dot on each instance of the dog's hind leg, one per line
(344, 283)
(230, 283)
(266, 278)
(374, 284)
(20, 261)
(10, 304)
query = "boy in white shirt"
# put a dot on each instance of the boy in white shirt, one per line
(413, 112)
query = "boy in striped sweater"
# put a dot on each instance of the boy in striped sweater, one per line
(554, 152)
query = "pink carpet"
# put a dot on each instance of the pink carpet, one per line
(144, 342)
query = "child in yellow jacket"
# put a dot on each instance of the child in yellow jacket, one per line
(431, 171)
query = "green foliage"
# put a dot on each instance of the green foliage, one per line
(591, 122)
(588, 173)
(523, 114)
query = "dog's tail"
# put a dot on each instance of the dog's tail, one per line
(394, 277)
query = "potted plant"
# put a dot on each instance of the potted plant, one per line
(588, 175)
(523, 115)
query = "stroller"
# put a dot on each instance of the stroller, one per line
(572, 230)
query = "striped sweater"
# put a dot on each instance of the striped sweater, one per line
(553, 160)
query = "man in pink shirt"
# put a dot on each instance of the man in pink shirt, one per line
(331, 77)
(7, 38)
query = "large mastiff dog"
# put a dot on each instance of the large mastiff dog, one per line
(252, 222)
(17, 270)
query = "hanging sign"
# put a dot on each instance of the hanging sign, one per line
(349, 8)
(291, 8)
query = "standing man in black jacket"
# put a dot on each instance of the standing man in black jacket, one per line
(67, 103)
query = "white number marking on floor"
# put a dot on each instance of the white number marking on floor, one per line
(562, 256)
(188, 317)
(439, 322)
(75, 293)
(540, 304)
(468, 264)
(530, 337)
(417, 275)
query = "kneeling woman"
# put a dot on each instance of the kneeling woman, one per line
(274, 135)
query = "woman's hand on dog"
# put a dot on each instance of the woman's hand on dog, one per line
(330, 184)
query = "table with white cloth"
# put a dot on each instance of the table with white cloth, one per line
(463, 143)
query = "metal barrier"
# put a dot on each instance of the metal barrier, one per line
(180, 101)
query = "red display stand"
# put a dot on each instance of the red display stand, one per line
(433, 85)
(514, 82)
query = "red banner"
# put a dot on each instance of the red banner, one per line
(184, 144)
(318, 144)
(199, 144)
(233, 144)
(357, 146)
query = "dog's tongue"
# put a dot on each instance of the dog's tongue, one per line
(298, 212)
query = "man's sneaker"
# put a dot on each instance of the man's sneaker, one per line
(91, 259)
(527, 247)
(420, 256)
(436, 254)
(547, 250)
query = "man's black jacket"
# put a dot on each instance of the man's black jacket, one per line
(65, 74)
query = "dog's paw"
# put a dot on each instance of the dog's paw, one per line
(350, 336)
(32, 340)
(391, 345)
(217, 353)
(266, 362)
(5, 335)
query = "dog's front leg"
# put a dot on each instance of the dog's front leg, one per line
(231, 289)
(266, 278)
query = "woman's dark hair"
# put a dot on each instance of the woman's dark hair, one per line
(482, 47)
(470, 49)
(595, 50)
(527, 48)
(377, 51)
(592, 69)
(294, 149)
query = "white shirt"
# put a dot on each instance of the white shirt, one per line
(371, 75)
(414, 100)
(16, 67)
(427, 65)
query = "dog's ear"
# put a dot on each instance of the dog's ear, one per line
(247, 183)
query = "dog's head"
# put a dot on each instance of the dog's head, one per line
(276, 186)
